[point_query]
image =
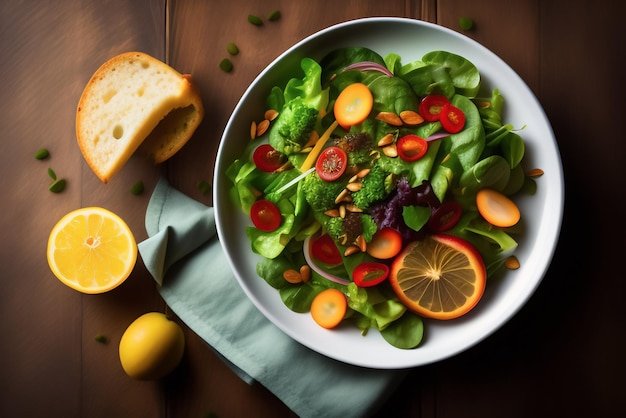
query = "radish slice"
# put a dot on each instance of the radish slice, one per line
(309, 259)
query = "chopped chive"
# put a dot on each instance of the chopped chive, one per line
(255, 20)
(204, 186)
(101, 339)
(232, 48)
(226, 65)
(52, 174)
(57, 186)
(466, 23)
(137, 188)
(274, 16)
(42, 154)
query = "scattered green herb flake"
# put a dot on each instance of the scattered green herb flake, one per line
(101, 339)
(226, 65)
(204, 186)
(137, 188)
(232, 48)
(466, 23)
(57, 186)
(255, 20)
(52, 174)
(42, 154)
(274, 16)
(210, 415)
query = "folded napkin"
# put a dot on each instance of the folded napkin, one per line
(184, 256)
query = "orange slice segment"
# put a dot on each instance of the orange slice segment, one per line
(91, 250)
(440, 277)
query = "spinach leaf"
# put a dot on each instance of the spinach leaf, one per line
(309, 88)
(415, 217)
(419, 77)
(512, 147)
(393, 62)
(406, 332)
(391, 94)
(298, 298)
(380, 309)
(468, 144)
(493, 172)
(335, 61)
(465, 76)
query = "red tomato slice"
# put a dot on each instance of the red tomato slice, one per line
(370, 274)
(452, 118)
(430, 107)
(324, 249)
(266, 158)
(411, 147)
(331, 164)
(265, 215)
(445, 216)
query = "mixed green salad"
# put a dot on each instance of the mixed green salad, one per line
(405, 153)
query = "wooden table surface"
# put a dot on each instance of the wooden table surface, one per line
(562, 355)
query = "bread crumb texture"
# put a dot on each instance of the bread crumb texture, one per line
(132, 101)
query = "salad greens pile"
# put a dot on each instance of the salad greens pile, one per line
(486, 153)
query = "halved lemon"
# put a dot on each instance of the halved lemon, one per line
(91, 250)
(440, 277)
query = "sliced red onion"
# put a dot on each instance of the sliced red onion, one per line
(437, 136)
(309, 259)
(369, 66)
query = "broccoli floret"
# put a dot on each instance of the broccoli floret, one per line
(357, 145)
(321, 194)
(293, 127)
(345, 231)
(372, 188)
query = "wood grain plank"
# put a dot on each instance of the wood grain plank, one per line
(197, 391)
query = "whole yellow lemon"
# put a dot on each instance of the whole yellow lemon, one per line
(151, 347)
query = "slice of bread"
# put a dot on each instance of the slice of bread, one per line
(135, 100)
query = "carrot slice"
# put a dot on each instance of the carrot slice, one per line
(329, 307)
(385, 244)
(353, 105)
(497, 209)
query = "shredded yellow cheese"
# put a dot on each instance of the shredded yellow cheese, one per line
(312, 157)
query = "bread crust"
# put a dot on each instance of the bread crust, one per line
(135, 100)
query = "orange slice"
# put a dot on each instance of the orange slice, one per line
(91, 250)
(440, 277)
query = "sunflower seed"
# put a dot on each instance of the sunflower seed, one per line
(535, 172)
(390, 118)
(411, 117)
(386, 140)
(292, 276)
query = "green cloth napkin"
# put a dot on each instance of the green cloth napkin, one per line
(184, 256)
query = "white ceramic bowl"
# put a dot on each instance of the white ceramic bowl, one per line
(411, 39)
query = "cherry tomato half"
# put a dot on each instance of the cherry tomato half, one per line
(445, 216)
(324, 249)
(370, 274)
(331, 163)
(265, 215)
(266, 158)
(411, 147)
(452, 118)
(430, 107)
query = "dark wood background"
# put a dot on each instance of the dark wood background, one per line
(562, 355)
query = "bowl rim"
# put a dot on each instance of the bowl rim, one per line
(554, 222)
